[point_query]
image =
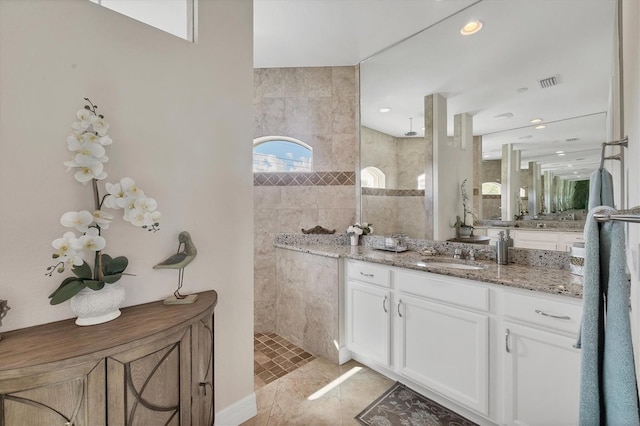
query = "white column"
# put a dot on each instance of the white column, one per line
(510, 194)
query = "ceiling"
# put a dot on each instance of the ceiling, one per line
(411, 48)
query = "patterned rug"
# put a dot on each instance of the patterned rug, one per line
(403, 407)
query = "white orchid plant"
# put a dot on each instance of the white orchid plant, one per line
(467, 210)
(87, 143)
(360, 229)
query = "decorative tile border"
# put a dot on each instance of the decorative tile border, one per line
(304, 178)
(393, 192)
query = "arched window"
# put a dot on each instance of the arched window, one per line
(372, 177)
(281, 154)
(491, 188)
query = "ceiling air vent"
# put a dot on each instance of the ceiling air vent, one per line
(571, 139)
(548, 82)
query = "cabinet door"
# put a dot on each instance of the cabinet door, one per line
(568, 238)
(445, 349)
(542, 377)
(72, 395)
(151, 384)
(202, 387)
(368, 321)
(541, 240)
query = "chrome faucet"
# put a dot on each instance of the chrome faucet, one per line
(457, 254)
(472, 255)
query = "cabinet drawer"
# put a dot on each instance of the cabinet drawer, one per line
(442, 288)
(369, 273)
(561, 315)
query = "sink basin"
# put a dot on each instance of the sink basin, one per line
(450, 264)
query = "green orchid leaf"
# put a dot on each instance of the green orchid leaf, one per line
(67, 292)
(94, 285)
(112, 278)
(82, 271)
(63, 284)
(106, 259)
(116, 266)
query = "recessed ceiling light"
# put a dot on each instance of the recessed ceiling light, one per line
(385, 109)
(575, 173)
(471, 27)
(559, 152)
(570, 165)
(540, 126)
(536, 120)
(522, 89)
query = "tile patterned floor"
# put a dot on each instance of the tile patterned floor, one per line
(317, 393)
(274, 357)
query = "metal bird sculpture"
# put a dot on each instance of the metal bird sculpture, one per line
(179, 261)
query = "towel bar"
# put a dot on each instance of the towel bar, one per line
(620, 142)
(631, 215)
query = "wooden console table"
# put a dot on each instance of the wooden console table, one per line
(152, 365)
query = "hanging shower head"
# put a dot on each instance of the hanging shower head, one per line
(410, 132)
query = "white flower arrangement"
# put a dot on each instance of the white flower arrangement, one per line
(87, 143)
(358, 229)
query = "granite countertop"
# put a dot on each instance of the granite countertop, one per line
(535, 278)
(549, 226)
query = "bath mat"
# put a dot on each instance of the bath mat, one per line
(402, 406)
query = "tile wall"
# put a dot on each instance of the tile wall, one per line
(318, 106)
(402, 160)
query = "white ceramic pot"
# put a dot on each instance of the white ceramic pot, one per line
(465, 231)
(96, 307)
(354, 239)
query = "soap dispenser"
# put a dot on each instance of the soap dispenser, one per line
(502, 249)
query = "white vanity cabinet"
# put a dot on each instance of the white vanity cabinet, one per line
(541, 369)
(442, 336)
(502, 353)
(368, 317)
(568, 238)
(540, 240)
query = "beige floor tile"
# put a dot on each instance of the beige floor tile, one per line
(357, 394)
(319, 368)
(292, 406)
(264, 400)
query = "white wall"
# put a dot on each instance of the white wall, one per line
(180, 116)
(631, 90)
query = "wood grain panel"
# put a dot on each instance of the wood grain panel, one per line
(63, 340)
(143, 368)
(56, 397)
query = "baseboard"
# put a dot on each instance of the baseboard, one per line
(344, 355)
(238, 413)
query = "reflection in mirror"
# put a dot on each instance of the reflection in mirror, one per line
(527, 63)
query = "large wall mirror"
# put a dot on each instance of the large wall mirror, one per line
(537, 77)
